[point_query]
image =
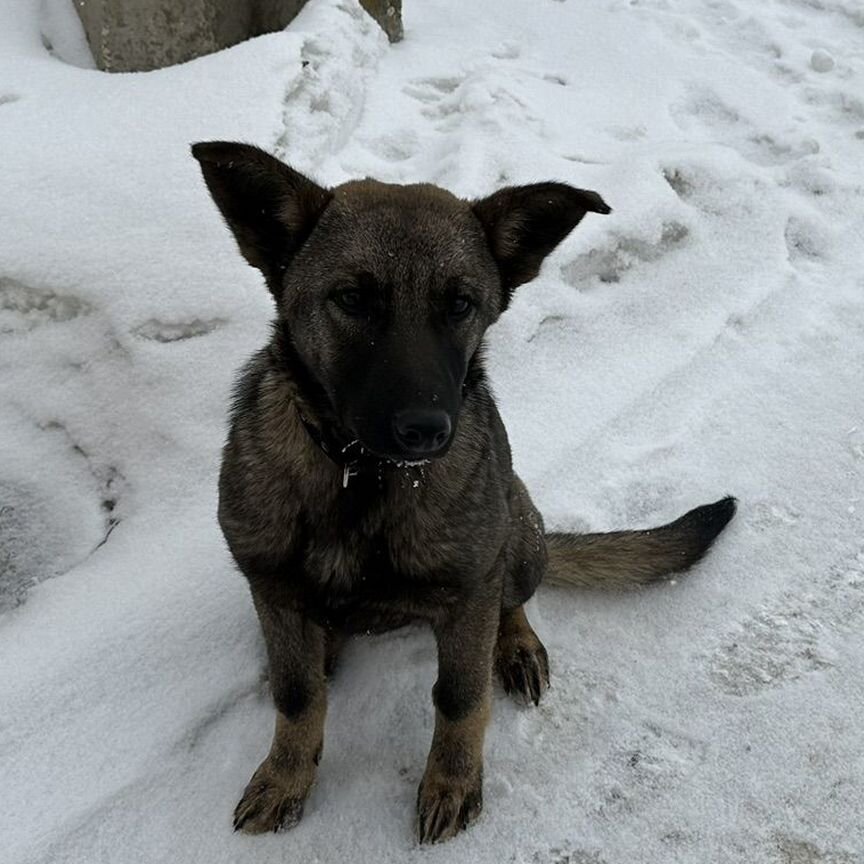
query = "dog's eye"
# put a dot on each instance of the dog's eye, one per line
(352, 301)
(459, 306)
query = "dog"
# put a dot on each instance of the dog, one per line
(367, 481)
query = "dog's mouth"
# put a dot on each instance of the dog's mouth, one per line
(355, 450)
(395, 458)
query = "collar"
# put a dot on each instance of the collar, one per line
(348, 458)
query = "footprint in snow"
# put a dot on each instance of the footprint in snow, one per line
(769, 649)
(583, 160)
(24, 307)
(442, 99)
(578, 697)
(395, 146)
(684, 180)
(786, 73)
(653, 763)
(176, 331)
(763, 149)
(786, 639)
(809, 178)
(839, 105)
(431, 90)
(622, 253)
(793, 850)
(769, 515)
(507, 51)
(804, 241)
(627, 133)
(703, 107)
(566, 854)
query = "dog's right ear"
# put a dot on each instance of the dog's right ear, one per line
(270, 207)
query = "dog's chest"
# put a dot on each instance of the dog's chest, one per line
(369, 565)
(357, 586)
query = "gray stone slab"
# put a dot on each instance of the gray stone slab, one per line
(139, 35)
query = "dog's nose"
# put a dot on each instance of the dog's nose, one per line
(422, 431)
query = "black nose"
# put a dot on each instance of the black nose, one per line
(422, 431)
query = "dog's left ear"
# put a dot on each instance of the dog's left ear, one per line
(270, 208)
(525, 223)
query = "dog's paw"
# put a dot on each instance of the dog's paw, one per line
(447, 805)
(522, 665)
(271, 802)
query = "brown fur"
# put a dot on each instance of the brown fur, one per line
(275, 796)
(450, 796)
(520, 658)
(383, 294)
(630, 559)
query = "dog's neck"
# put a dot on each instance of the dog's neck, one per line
(309, 400)
(352, 458)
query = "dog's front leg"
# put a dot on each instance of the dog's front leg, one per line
(451, 792)
(274, 798)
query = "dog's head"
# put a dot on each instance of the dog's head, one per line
(385, 291)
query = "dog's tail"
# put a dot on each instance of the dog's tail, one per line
(630, 559)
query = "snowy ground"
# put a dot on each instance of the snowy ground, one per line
(706, 338)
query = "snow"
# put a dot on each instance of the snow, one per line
(705, 338)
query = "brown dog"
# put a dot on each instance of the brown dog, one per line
(367, 481)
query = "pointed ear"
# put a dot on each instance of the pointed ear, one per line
(270, 207)
(525, 223)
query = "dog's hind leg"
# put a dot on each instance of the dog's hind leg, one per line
(296, 648)
(521, 660)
